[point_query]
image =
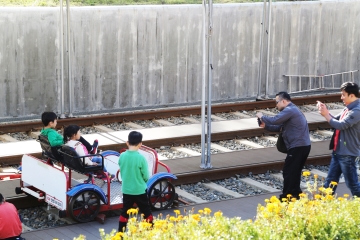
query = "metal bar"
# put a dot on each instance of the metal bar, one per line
(299, 83)
(208, 162)
(261, 49)
(268, 51)
(352, 76)
(203, 88)
(310, 82)
(290, 83)
(333, 82)
(62, 114)
(342, 77)
(69, 58)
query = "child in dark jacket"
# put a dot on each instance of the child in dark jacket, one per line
(134, 173)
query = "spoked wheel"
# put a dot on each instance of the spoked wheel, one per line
(84, 206)
(161, 194)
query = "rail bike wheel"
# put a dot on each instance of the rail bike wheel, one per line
(84, 206)
(161, 194)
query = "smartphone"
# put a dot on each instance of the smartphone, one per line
(259, 121)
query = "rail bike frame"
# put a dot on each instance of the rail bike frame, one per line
(54, 184)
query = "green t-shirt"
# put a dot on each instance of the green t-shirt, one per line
(134, 172)
(55, 139)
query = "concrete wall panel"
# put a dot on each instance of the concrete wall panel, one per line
(133, 56)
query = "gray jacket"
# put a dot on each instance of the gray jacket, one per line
(349, 138)
(294, 126)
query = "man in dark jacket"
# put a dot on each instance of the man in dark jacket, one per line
(295, 131)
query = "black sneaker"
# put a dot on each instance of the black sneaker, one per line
(94, 149)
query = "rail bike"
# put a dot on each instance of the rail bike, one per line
(59, 181)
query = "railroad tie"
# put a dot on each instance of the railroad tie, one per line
(265, 112)
(163, 122)
(102, 128)
(220, 148)
(187, 151)
(249, 143)
(279, 176)
(189, 196)
(8, 138)
(219, 188)
(239, 114)
(134, 125)
(325, 133)
(216, 118)
(269, 138)
(33, 134)
(324, 175)
(311, 107)
(191, 120)
(258, 185)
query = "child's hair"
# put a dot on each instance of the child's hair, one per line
(48, 117)
(69, 131)
(134, 138)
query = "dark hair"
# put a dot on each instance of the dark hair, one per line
(284, 95)
(1, 198)
(134, 138)
(48, 117)
(350, 88)
(69, 131)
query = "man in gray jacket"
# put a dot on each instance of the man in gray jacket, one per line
(295, 131)
(346, 139)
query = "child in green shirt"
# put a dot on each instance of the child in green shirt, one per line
(134, 173)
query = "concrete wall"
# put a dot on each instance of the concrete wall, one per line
(135, 56)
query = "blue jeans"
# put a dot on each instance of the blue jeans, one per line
(98, 160)
(346, 165)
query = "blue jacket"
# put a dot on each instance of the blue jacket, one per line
(349, 138)
(294, 126)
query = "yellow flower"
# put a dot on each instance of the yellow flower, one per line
(218, 214)
(172, 219)
(302, 195)
(346, 195)
(201, 211)
(177, 212)
(267, 200)
(284, 199)
(207, 210)
(293, 199)
(317, 196)
(306, 174)
(274, 199)
(316, 176)
(289, 196)
(333, 183)
(132, 211)
(196, 217)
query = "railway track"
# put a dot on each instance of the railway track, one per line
(28, 126)
(200, 175)
(174, 140)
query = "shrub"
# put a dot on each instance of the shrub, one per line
(316, 215)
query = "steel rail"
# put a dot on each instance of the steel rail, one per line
(221, 173)
(22, 202)
(160, 113)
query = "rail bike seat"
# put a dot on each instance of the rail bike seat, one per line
(48, 151)
(77, 163)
